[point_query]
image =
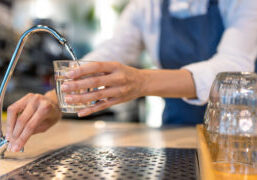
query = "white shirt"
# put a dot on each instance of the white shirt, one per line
(139, 29)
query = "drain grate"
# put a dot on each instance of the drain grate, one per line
(82, 161)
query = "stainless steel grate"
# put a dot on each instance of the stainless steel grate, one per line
(82, 161)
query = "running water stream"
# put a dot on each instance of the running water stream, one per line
(71, 52)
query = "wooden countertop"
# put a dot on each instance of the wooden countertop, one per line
(99, 133)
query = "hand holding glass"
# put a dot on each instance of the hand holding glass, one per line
(61, 68)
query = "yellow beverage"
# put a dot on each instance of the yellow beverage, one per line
(222, 172)
(233, 155)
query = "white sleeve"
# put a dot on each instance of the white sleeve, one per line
(237, 49)
(126, 44)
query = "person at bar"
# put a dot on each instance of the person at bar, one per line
(190, 40)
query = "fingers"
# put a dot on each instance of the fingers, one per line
(99, 106)
(92, 68)
(90, 82)
(13, 112)
(29, 128)
(95, 95)
(24, 118)
(26, 133)
(27, 115)
(93, 82)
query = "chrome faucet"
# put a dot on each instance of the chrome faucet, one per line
(12, 64)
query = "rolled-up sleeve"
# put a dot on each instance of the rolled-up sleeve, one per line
(237, 49)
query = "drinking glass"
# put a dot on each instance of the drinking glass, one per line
(60, 69)
(231, 123)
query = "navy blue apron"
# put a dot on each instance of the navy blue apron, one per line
(185, 41)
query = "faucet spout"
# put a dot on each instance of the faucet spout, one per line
(12, 64)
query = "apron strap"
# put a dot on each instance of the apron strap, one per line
(213, 2)
(165, 6)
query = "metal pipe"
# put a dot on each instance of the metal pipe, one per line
(12, 64)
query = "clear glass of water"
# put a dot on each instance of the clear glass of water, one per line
(60, 68)
(231, 123)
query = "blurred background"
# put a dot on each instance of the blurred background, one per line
(85, 23)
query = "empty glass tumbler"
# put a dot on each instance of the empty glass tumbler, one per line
(60, 69)
(231, 122)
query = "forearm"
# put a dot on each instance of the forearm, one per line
(168, 83)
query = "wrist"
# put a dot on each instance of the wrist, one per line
(51, 95)
(145, 82)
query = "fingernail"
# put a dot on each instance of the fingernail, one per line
(64, 87)
(70, 73)
(15, 148)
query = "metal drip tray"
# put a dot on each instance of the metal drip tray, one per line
(82, 161)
